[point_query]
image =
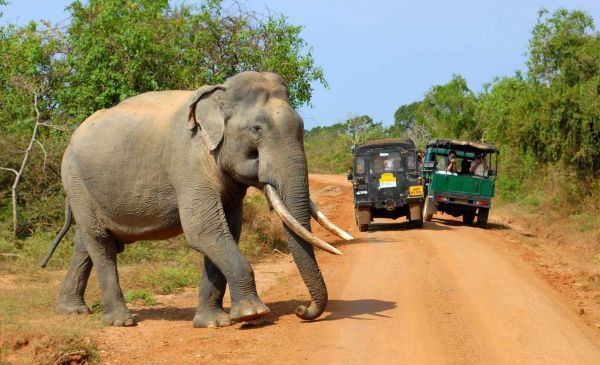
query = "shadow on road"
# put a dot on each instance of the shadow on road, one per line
(361, 309)
(357, 309)
(436, 226)
(447, 223)
(391, 226)
(164, 313)
(406, 226)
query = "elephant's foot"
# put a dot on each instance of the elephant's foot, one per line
(73, 306)
(248, 309)
(118, 318)
(211, 318)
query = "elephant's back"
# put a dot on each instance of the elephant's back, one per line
(144, 118)
(118, 158)
(155, 102)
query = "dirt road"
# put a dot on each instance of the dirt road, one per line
(443, 294)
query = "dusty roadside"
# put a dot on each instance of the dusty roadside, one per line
(446, 293)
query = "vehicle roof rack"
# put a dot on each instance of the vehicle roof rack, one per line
(468, 146)
(388, 142)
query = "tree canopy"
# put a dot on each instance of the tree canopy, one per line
(551, 112)
(114, 49)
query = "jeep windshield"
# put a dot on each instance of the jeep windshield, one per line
(381, 161)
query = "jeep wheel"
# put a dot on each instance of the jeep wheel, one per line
(482, 217)
(468, 217)
(363, 218)
(417, 223)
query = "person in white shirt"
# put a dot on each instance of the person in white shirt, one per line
(389, 164)
(479, 167)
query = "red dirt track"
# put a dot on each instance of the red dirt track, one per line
(443, 294)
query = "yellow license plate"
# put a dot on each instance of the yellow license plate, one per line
(415, 190)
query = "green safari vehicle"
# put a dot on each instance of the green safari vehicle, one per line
(459, 179)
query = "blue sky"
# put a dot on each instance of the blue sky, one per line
(378, 55)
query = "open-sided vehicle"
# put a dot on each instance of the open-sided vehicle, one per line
(386, 182)
(468, 188)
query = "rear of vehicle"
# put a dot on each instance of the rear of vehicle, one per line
(386, 182)
(463, 193)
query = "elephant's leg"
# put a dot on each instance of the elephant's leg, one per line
(210, 312)
(103, 250)
(211, 236)
(73, 288)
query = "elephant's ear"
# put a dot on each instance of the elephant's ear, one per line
(206, 112)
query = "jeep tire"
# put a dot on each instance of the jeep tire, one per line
(469, 217)
(482, 217)
(363, 218)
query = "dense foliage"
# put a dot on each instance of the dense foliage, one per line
(109, 51)
(546, 120)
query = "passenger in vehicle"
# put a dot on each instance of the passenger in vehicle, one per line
(451, 162)
(389, 164)
(479, 166)
(376, 165)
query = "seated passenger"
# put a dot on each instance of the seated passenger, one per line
(451, 162)
(479, 166)
(389, 164)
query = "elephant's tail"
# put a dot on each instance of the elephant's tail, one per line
(61, 234)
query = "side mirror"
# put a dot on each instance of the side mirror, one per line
(349, 175)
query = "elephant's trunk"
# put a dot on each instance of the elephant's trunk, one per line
(293, 189)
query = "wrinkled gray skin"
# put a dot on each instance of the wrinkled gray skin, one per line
(163, 163)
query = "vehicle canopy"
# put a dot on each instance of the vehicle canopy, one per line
(466, 146)
(365, 147)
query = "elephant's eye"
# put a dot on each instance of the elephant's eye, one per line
(253, 154)
(255, 133)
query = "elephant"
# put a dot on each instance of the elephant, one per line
(169, 162)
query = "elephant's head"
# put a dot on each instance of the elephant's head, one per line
(257, 139)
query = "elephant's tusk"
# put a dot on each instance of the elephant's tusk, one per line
(320, 217)
(291, 222)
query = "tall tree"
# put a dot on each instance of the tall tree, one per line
(113, 49)
(119, 48)
(565, 72)
(361, 128)
(555, 41)
(450, 110)
(405, 118)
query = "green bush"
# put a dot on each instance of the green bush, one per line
(140, 295)
(171, 279)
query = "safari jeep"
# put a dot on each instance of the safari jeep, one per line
(468, 188)
(386, 182)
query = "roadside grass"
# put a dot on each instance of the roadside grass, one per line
(30, 331)
(140, 295)
(552, 194)
(262, 231)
